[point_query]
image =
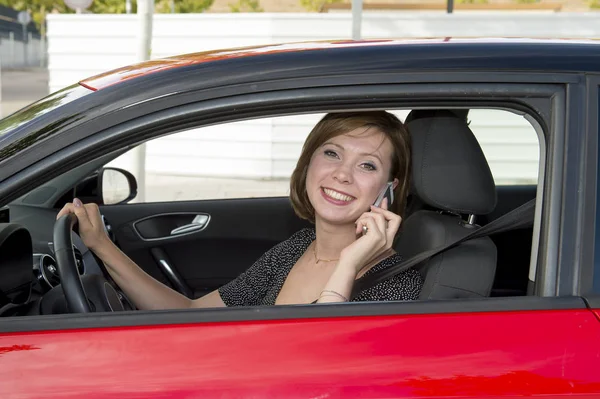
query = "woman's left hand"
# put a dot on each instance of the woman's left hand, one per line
(381, 228)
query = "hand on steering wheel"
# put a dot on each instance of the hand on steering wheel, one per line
(91, 227)
(98, 291)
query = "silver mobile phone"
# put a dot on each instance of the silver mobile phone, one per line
(387, 192)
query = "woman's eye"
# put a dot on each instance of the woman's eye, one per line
(331, 153)
(368, 166)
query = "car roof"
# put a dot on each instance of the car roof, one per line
(555, 48)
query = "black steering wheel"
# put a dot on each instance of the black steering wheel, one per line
(83, 294)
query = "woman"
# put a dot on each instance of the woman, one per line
(346, 161)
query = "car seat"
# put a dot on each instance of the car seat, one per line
(452, 182)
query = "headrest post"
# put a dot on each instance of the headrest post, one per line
(471, 219)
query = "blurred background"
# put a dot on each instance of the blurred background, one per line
(46, 45)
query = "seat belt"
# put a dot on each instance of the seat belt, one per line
(522, 216)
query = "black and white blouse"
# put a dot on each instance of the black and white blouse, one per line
(261, 283)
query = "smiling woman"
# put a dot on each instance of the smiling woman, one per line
(376, 141)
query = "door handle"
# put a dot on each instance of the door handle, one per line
(199, 223)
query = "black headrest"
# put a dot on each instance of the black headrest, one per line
(450, 171)
(431, 113)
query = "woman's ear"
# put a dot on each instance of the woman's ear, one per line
(396, 182)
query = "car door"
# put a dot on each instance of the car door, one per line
(548, 348)
(543, 345)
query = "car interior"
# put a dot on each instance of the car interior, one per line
(188, 244)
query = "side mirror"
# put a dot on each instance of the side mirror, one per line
(116, 186)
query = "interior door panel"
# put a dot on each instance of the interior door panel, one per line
(236, 233)
(232, 234)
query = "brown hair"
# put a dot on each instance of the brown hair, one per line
(336, 124)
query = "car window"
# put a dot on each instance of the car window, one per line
(510, 144)
(255, 158)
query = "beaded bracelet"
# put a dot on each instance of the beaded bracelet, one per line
(334, 293)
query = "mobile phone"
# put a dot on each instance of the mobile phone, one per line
(387, 192)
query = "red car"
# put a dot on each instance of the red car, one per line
(514, 313)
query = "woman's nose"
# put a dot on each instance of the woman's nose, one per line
(343, 174)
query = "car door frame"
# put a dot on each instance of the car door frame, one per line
(548, 98)
(588, 274)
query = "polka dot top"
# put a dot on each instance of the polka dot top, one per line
(261, 283)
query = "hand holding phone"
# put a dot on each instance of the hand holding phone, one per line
(386, 192)
(384, 224)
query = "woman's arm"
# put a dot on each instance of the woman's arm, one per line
(339, 286)
(143, 290)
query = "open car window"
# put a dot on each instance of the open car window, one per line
(255, 158)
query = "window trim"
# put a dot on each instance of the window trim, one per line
(539, 100)
(575, 229)
(285, 312)
(589, 272)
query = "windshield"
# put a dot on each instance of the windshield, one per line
(35, 110)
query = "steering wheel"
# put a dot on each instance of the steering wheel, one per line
(83, 294)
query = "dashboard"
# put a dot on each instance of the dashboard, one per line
(45, 293)
(45, 268)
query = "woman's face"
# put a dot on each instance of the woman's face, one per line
(347, 173)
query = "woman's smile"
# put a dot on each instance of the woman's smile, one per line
(336, 197)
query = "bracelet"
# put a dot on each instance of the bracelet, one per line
(334, 293)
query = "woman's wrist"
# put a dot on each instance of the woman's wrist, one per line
(102, 246)
(349, 266)
(339, 286)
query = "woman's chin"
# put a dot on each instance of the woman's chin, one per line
(337, 218)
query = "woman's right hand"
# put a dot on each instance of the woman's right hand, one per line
(91, 227)
(381, 228)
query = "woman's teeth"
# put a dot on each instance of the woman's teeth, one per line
(337, 196)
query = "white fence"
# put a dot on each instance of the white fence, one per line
(82, 45)
(269, 148)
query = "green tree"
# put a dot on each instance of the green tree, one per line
(39, 8)
(182, 6)
(245, 6)
(316, 5)
(110, 6)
